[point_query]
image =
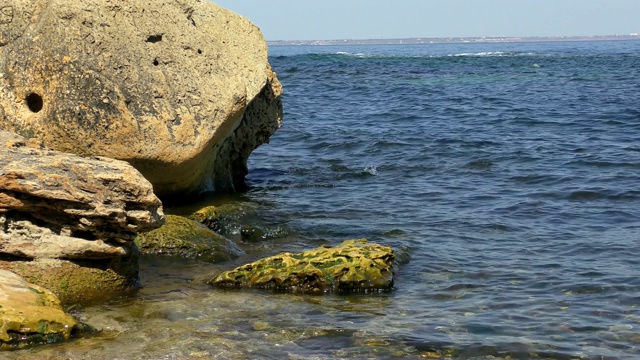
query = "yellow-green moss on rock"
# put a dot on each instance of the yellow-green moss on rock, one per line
(222, 218)
(30, 314)
(183, 237)
(353, 266)
(80, 281)
(207, 216)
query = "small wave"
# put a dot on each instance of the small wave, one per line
(463, 286)
(480, 164)
(398, 56)
(604, 164)
(358, 55)
(585, 195)
(493, 54)
(395, 233)
(487, 53)
(590, 195)
(533, 179)
(371, 170)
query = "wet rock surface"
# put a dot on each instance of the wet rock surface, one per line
(187, 238)
(352, 267)
(60, 210)
(30, 315)
(208, 216)
(180, 89)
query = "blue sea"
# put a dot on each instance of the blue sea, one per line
(505, 175)
(510, 173)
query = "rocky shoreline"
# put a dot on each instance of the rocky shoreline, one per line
(104, 111)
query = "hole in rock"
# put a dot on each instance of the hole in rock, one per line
(86, 235)
(155, 62)
(11, 257)
(199, 51)
(154, 38)
(34, 102)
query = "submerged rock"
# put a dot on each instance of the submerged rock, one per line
(251, 233)
(353, 266)
(181, 89)
(230, 219)
(30, 314)
(209, 217)
(68, 222)
(187, 238)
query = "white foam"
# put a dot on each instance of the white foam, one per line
(371, 170)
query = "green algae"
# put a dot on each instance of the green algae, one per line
(355, 266)
(186, 238)
(81, 281)
(208, 216)
(30, 315)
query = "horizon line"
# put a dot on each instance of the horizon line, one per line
(456, 39)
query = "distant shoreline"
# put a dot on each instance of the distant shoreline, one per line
(453, 40)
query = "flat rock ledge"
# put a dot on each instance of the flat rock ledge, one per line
(68, 222)
(355, 266)
(30, 315)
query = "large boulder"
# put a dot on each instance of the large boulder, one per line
(30, 314)
(68, 222)
(181, 89)
(353, 266)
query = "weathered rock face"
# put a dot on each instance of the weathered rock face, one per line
(30, 314)
(181, 89)
(353, 266)
(64, 211)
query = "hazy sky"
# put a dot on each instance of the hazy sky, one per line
(365, 19)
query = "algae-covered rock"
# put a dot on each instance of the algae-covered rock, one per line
(30, 314)
(251, 233)
(225, 219)
(229, 220)
(353, 266)
(81, 281)
(207, 216)
(187, 238)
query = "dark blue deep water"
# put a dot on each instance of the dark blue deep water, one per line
(506, 176)
(510, 173)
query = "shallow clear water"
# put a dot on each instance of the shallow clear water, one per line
(508, 172)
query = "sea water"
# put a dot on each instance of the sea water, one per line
(507, 173)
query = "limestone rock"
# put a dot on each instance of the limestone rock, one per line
(30, 314)
(91, 198)
(353, 266)
(187, 238)
(83, 212)
(181, 89)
